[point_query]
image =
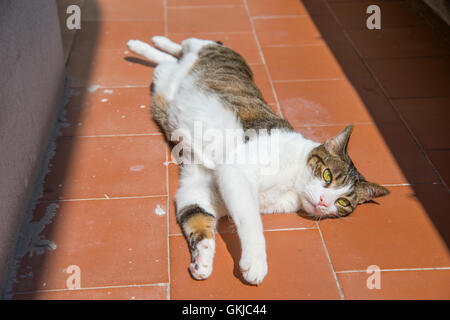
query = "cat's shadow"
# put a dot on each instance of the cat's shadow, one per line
(143, 62)
(233, 245)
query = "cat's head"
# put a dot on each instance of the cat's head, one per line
(335, 188)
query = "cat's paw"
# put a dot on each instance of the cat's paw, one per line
(202, 259)
(254, 268)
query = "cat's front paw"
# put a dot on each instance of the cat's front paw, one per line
(254, 268)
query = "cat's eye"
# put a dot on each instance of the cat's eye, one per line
(327, 176)
(343, 202)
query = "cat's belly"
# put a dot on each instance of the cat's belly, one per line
(276, 202)
(204, 123)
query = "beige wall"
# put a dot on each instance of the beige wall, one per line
(31, 79)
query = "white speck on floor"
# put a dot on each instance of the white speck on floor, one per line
(137, 168)
(93, 88)
(159, 211)
(108, 91)
(142, 107)
(104, 100)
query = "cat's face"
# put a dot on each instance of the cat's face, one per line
(335, 188)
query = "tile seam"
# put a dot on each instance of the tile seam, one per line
(263, 58)
(338, 284)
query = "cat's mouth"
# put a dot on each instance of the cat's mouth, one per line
(315, 211)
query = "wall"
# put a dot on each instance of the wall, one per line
(31, 82)
(441, 7)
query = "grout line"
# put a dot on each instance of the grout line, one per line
(166, 22)
(421, 97)
(167, 224)
(341, 293)
(395, 270)
(410, 184)
(432, 56)
(290, 229)
(308, 80)
(258, 44)
(215, 32)
(105, 198)
(162, 284)
(207, 6)
(405, 123)
(279, 17)
(295, 45)
(332, 125)
(111, 87)
(268, 230)
(166, 34)
(116, 135)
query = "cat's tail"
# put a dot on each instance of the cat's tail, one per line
(170, 51)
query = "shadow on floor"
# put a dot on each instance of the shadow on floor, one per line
(380, 107)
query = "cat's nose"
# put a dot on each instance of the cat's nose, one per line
(322, 203)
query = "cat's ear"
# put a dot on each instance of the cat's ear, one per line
(370, 190)
(338, 144)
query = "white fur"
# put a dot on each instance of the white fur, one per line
(270, 180)
(167, 45)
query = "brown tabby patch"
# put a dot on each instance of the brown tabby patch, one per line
(197, 224)
(225, 73)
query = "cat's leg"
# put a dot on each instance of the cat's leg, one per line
(197, 216)
(193, 45)
(168, 46)
(240, 195)
(148, 52)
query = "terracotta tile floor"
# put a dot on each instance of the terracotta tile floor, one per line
(107, 204)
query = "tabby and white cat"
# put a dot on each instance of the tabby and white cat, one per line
(202, 81)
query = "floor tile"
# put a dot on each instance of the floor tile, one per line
(321, 102)
(415, 77)
(398, 233)
(441, 159)
(352, 14)
(186, 3)
(118, 10)
(226, 225)
(121, 293)
(298, 269)
(106, 167)
(113, 35)
(290, 31)
(427, 119)
(200, 19)
(109, 111)
(370, 92)
(112, 242)
(417, 41)
(275, 8)
(301, 63)
(404, 285)
(108, 68)
(385, 153)
(243, 43)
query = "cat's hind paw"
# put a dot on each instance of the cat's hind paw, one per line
(202, 259)
(254, 268)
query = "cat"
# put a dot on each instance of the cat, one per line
(204, 83)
